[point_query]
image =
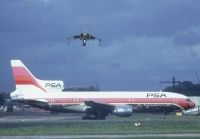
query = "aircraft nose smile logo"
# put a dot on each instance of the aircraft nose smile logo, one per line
(191, 104)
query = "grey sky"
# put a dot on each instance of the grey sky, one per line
(143, 42)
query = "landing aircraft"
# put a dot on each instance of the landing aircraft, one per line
(48, 95)
(84, 36)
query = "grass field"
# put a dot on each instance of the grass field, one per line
(104, 128)
(118, 126)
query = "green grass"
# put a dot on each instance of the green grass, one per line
(96, 127)
(154, 138)
(159, 138)
(114, 125)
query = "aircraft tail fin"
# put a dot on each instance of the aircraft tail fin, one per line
(24, 78)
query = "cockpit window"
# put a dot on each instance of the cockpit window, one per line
(189, 100)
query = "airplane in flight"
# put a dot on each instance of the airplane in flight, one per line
(84, 36)
(48, 95)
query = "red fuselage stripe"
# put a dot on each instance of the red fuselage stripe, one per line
(66, 101)
(23, 77)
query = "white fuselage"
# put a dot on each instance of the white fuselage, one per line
(47, 94)
(111, 97)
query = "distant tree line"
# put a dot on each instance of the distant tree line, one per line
(186, 87)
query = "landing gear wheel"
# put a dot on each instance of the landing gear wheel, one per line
(100, 115)
(164, 115)
(95, 115)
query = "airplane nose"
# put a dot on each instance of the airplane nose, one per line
(191, 104)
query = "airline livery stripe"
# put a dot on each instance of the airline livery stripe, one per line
(23, 77)
(176, 101)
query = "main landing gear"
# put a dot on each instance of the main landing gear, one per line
(165, 113)
(95, 115)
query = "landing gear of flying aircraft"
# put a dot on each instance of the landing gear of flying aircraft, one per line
(84, 43)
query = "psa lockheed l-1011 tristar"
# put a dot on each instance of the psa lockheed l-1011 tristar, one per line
(48, 95)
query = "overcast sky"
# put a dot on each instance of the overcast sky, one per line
(143, 42)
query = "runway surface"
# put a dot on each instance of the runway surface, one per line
(25, 118)
(28, 119)
(37, 117)
(47, 117)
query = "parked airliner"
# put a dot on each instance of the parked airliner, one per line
(48, 95)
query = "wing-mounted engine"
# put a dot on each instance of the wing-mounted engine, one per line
(52, 85)
(99, 110)
(123, 111)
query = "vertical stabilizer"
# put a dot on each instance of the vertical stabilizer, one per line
(23, 77)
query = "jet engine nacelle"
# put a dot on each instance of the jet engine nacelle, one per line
(123, 111)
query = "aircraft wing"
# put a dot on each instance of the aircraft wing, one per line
(119, 110)
(100, 105)
(93, 38)
(74, 37)
(37, 103)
